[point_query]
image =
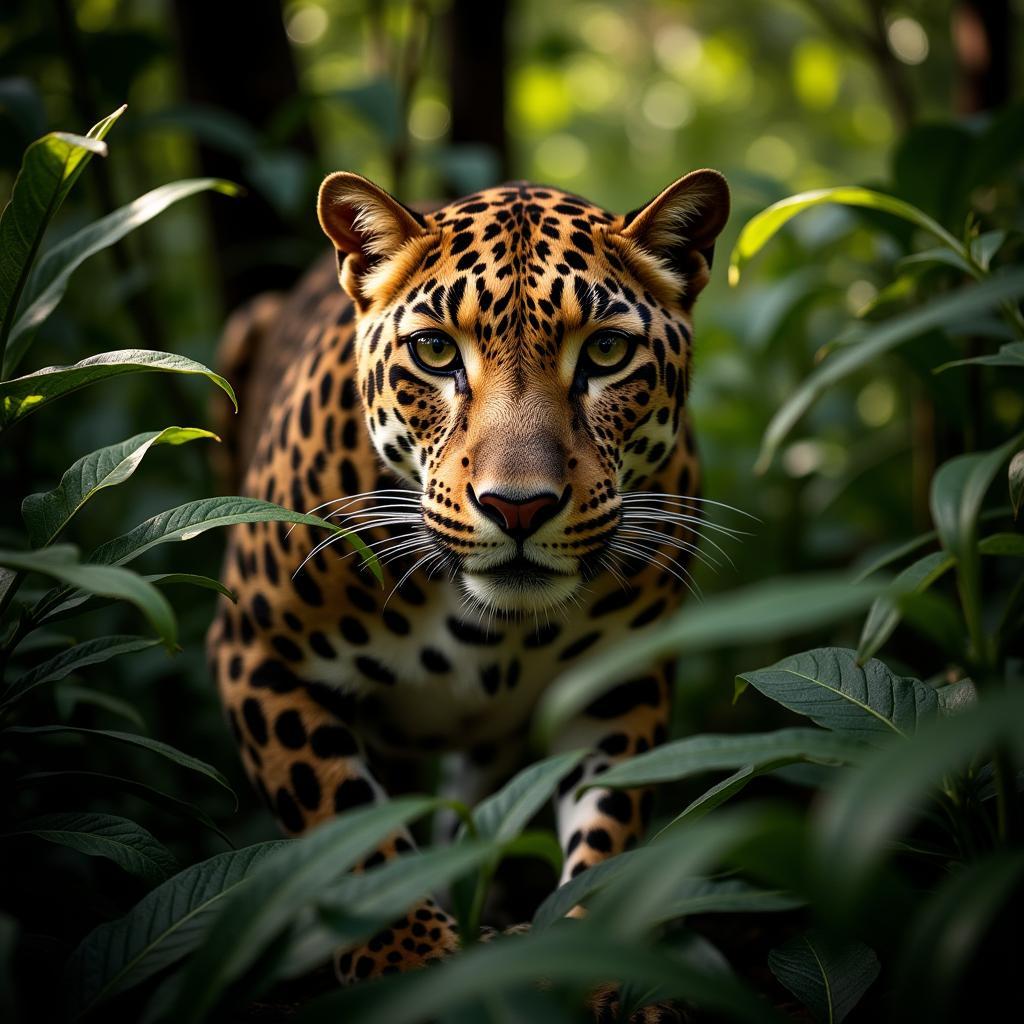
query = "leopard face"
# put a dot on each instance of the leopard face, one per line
(523, 358)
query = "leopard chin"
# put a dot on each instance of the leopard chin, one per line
(520, 591)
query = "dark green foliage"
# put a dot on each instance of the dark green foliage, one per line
(839, 824)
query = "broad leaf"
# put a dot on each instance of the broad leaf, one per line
(881, 338)
(761, 228)
(293, 879)
(196, 517)
(1011, 354)
(91, 652)
(61, 603)
(93, 781)
(124, 842)
(506, 813)
(106, 580)
(723, 896)
(166, 925)
(682, 759)
(828, 979)
(49, 279)
(1016, 478)
(153, 746)
(830, 686)
(948, 931)
(569, 955)
(761, 612)
(1005, 545)
(45, 515)
(49, 169)
(885, 613)
(22, 396)
(357, 906)
(871, 804)
(957, 492)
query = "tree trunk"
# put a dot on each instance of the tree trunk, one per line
(237, 58)
(477, 71)
(983, 35)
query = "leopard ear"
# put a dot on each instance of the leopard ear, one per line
(365, 223)
(680, 225)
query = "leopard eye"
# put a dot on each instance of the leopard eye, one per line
(435, 352)
(606, 352)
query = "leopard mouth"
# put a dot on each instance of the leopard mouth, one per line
(519, 585)
(522, 570)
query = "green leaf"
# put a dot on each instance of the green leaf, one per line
(761, 612)
(48, 282)
(122, 584)
(293, 879)
(1011, 354)
(1006, 545)
(879, 339)
(91, 652)
(950, 928)
(572, 954)
(957, 492)
(124, 842)
(165, 926)
(196, 517)
(724, 896)
(49, 169)
(828, 979)
(61, 603)
(885, 613)
(45, 515)
(869, 806)
(831, 687)
(100, 780)
(153, 746)
(760, 229)
(694, 755)
(22, 396)
(356, 907)
(504, 814)
(1016, 477)
(68, 696)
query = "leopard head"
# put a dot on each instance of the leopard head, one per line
(523, 358)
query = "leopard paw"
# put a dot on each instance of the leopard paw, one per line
(605, 1006)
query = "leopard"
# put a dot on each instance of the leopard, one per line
(492, 395)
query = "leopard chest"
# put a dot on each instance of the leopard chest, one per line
(446, 678)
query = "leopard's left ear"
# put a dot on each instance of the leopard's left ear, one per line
(680, 225)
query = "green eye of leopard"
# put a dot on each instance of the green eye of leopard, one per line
(607, 352)
(435, 352)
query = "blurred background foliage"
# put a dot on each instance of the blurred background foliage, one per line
(433, 99)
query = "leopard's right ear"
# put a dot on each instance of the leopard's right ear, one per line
(365, 223)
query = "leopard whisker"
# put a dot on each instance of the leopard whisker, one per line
(675, 542)
(647, 495)
(652, 558)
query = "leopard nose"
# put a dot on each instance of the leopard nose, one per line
(518, 517)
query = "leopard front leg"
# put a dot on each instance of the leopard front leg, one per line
(308, 763)
(628, 720)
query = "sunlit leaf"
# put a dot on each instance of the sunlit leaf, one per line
(166, 925)
(49, 169)
(763, 611)
(760, 229)
(881, 338)
(45, 515)
(21, 396)
(124, 842)
(828, 978)
(62, 563)
(49, 278)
